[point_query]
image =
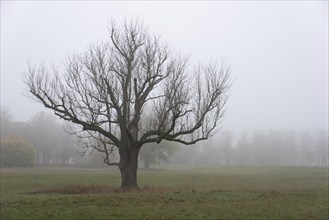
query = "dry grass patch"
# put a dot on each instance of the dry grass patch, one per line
(97, 189)
(77, 189)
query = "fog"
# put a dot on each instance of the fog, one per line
(278, 51)
(55, 147)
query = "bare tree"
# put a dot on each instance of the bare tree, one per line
(154, 153)
(47, 135)
(226, 147)
(112, 87)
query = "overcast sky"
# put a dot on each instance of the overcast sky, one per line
(278, 50)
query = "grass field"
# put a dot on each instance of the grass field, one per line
(200, 193)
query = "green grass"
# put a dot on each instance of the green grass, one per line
(199, 193)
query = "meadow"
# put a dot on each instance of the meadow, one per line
(183, 193)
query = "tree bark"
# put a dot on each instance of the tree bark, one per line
(128, 169)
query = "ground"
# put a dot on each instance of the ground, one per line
(185, 193)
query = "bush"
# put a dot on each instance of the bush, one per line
(16, 152)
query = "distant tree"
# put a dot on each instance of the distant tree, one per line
(93, 160)
(51, 141)
(16, 152)
(9, 126)
(206, 153)
(155, 153)
(65, 150)
(322, 148)
(226, 147)
(186, 155)
(289, 148)
(307, 147)
(42, 136)
(110, 90)
(274, 143)
(6, 122)
(244, 154)
(260, 148)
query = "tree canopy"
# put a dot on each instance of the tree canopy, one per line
(16, 152)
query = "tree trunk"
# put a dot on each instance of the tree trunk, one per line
(128, 169)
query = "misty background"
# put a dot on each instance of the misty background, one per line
(278, 51)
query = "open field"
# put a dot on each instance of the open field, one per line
(202, 193)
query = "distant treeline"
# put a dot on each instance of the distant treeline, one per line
(263, 148)
(44, 132)
(55, 147)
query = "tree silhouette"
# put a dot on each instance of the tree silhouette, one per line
(113, 87)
